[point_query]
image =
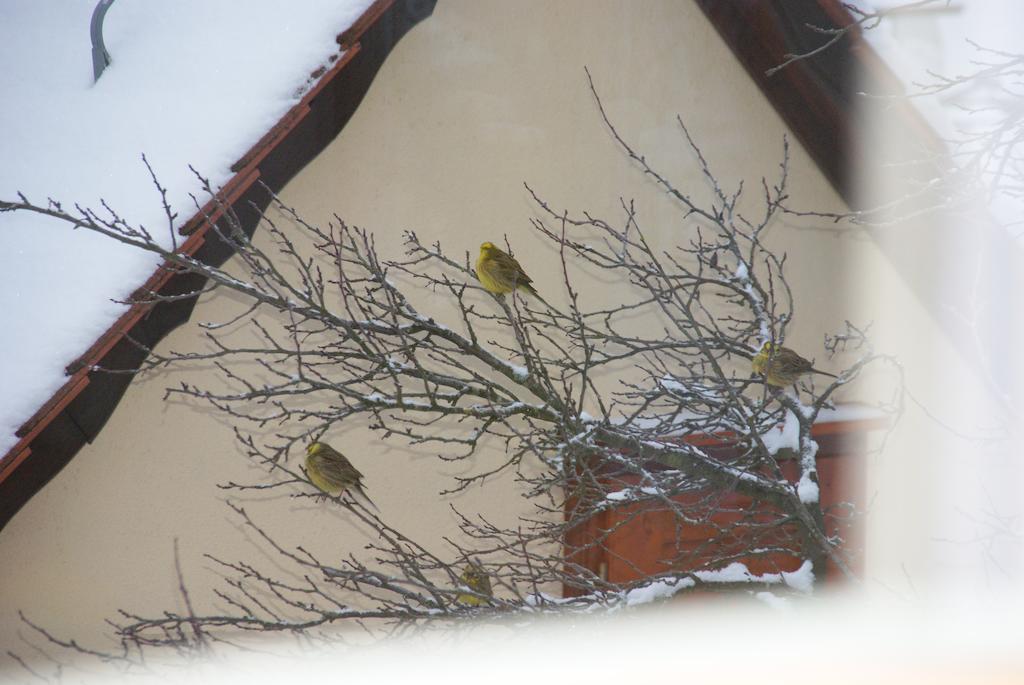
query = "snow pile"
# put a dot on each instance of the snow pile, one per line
(672, 385)
(773, 600)
(807, 489)
(631, 493)
(785, 437)
(659, 589)
(191, 82)
(675, 386)
(801, 580)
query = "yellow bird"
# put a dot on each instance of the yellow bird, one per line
(500, 273)
(332, 472)
(476, 579)
(781, 366)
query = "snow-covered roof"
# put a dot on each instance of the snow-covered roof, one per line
(195, 82)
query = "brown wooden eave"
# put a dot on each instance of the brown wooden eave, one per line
(814, 96)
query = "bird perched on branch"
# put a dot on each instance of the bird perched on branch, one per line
(332, 472)
(500, 273)
(476, 579)
(781, 366)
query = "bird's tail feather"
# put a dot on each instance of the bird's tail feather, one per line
(533, 291)
(366, 497)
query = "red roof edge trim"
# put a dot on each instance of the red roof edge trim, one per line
(12, 463)
(289, 121)
(209, 214)
(347, 38)
(61, 398)
(161, 276)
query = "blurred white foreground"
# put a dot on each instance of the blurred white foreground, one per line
(840, 640)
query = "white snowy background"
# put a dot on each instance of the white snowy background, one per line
(191, 82)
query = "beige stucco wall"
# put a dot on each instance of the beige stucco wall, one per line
(473, 102)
